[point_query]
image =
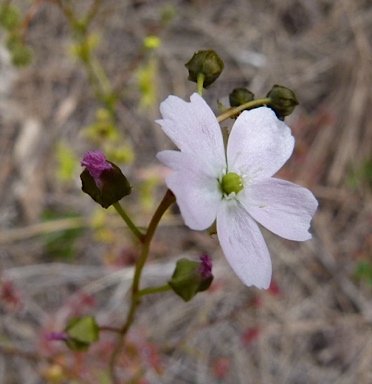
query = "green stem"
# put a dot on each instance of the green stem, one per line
(152, 290)
(249, 105)
(95, 72)
(119, 209)
(200, 83)
(101, 77)
(166, 202)
(93, 11)
(66, 10)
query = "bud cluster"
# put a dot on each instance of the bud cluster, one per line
(206, 66)
(281, 100)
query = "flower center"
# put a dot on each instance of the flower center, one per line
(231, 183)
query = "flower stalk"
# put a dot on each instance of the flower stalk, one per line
(152, 290)
(136, 293)
(119, 209)
(200, 83)
(231, 112)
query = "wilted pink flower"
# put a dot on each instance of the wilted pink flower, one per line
(95, 162)
(206, 266)
(56, 336)
(235, 187)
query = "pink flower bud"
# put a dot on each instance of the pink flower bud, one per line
(205, 267)
(95, 162)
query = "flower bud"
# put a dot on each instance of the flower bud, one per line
(81, 333)
(205, 63)
(240, 96)
(102, 180)
(205, 270)
(191, 277)
(282, 101)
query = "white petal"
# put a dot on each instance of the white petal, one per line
(196, 188)
(193, 127)
(284, 208)
(259, 144)
(243, 245)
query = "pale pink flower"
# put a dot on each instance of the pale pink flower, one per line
(258, 146)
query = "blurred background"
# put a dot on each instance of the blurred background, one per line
(86, 75)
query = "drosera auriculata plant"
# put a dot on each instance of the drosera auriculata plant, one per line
(225, 185)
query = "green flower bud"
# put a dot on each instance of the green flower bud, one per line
(282, 101)
(102, 180)
(207, 64)
(240, 96)
(81, 333)
(191, 277)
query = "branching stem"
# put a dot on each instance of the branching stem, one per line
(231, 112)
(136, 293)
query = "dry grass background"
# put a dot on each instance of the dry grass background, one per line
(316, 326)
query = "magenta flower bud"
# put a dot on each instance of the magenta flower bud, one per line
(95, 162)
(191, 277)
(102, 180)
(205, 267)
(81, 333)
